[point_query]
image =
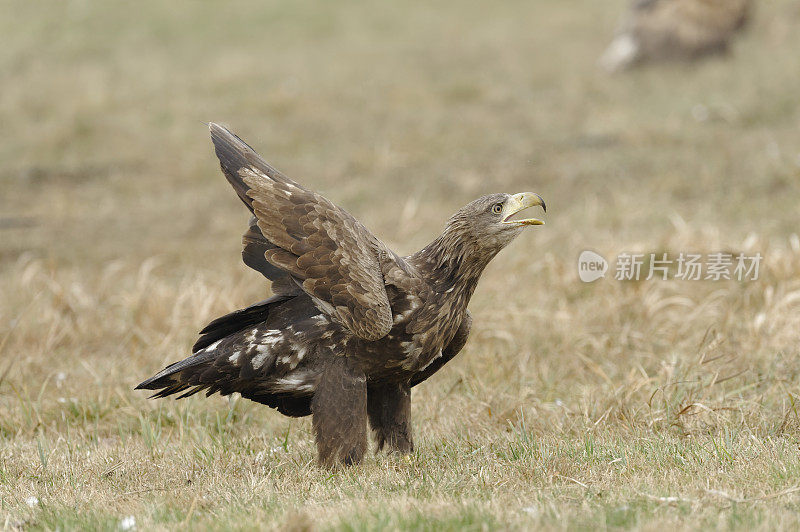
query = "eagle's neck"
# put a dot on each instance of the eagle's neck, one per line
(453, 262)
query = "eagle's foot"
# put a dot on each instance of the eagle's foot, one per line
(389, 411)
(339, 410)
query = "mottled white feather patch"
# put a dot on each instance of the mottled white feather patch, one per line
(439, 354)
(401, 316)
(297, 383)
(413, 353)
(262, 348)
(259, 360)
(271, 337)
(212, 346)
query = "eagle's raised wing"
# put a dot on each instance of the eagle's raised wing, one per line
(300, 240)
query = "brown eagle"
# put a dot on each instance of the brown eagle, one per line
(674, 29)
(352, 326)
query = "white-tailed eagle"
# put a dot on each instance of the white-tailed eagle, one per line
(654, 30)
(352, 326)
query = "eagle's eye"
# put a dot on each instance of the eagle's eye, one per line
(497, 208)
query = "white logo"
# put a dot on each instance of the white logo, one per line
(591, 266)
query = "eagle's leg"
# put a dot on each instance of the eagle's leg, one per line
(339, 410)
(389, 410)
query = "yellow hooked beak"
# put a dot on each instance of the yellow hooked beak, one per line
(520, 202)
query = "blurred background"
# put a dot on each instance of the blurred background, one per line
(120, 238)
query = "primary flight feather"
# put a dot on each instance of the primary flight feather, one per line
(351, 326)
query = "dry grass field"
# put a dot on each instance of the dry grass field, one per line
(614, 404)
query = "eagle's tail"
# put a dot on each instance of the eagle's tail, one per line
(228, 358)
(202, 370)
(168, 381)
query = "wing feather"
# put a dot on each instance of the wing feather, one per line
(303, 236)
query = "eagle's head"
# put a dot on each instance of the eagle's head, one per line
(489, 222)
(474, 235)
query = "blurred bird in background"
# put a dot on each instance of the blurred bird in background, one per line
(655, 30)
